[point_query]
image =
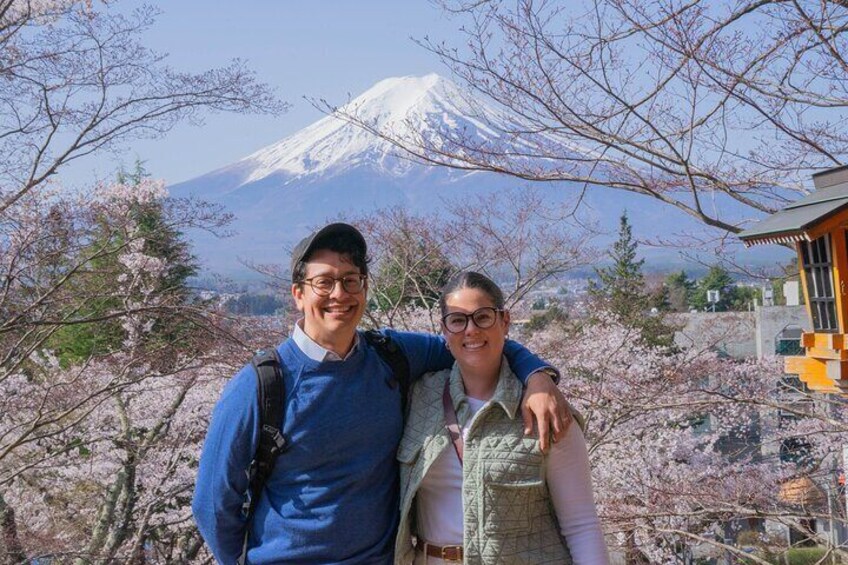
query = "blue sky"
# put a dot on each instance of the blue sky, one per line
(327, 48)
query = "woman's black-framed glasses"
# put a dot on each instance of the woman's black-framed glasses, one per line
(323, 285)
(483, 318)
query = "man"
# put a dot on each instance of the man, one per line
(333, 495)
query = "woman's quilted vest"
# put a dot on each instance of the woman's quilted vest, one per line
(508, 516)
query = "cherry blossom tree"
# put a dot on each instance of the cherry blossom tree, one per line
(75, 80)
(687, 446)
(514, 236)
(107, 363)
(684, 443)
(97, 455)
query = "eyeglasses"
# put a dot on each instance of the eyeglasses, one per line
(323, 285)
(484, 318)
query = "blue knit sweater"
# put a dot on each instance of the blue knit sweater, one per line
(332, 497)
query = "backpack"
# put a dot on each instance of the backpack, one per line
(272, 394)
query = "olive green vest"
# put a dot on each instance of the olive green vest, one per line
(508, 516)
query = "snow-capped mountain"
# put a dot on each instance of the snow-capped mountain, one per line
(335, 169)
(330, 145)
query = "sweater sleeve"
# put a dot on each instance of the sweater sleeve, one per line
(570, 484)
(221, 478)
(428, 352)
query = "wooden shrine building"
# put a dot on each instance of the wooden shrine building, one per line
(817, 226)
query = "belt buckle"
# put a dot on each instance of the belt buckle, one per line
(446, 556)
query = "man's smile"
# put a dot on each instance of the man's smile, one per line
(340, 309)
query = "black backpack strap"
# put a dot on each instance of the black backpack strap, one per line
(271, 392)
(396, 359)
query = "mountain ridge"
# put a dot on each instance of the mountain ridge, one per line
(335, 169)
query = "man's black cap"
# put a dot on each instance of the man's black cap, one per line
(311, 242)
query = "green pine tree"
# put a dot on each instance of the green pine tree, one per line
(620, 289)
(716, 279)
(679, 291)
(103, 334)
(621, 285)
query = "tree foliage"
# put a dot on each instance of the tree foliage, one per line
(89, 463)
(683, 442)
(416, 268)
(679, 290)
(621, 289)
(732, 297)
(621, 286)
(553, 314)
(75, 79)
(163, 241)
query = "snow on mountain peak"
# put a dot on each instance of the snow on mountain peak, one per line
(396, 98)
(397, 104)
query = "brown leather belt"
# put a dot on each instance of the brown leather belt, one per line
(447, 553)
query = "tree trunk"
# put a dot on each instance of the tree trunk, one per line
(105, 517)
(192, 543)
(633, 555)
(11, 551)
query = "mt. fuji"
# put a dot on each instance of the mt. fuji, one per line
(331, 147)
(334, 169)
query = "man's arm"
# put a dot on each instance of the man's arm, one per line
(221, 478)
(543, 400)
(546, 403)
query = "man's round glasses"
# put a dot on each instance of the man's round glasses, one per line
(483, 318)
(323, 285)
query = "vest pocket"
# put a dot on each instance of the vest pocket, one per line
(507, 506)
(513, 485)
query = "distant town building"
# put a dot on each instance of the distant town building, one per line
(765, 332)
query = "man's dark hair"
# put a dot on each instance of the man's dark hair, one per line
(471, 279)
(338, 243)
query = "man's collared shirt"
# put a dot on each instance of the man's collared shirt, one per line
(314, 351)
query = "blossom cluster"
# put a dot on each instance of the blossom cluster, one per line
(684, 442)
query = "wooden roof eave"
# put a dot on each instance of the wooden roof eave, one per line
(778, 238)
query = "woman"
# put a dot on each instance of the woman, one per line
(474, 489)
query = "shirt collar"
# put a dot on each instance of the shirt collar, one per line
(316, 352)
(507, 392)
